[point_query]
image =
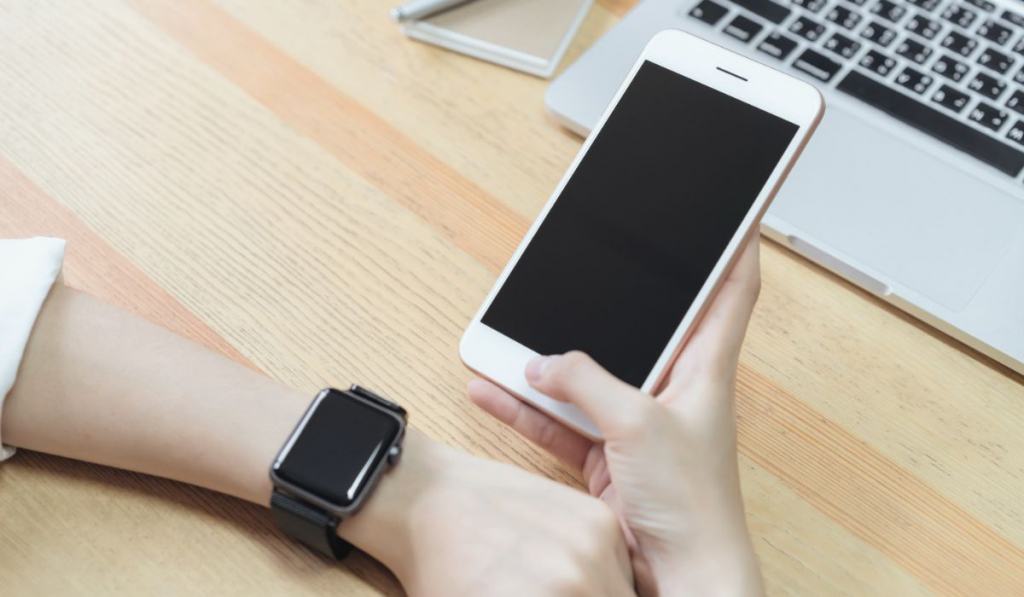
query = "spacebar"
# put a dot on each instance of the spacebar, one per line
(933, 122)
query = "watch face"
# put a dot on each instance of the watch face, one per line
(340, 447)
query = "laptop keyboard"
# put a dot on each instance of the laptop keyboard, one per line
(953, 69)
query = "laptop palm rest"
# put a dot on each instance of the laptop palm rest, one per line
(940, 234)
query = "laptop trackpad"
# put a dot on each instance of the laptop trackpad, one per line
(898, 210)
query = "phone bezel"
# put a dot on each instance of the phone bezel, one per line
(502, 360)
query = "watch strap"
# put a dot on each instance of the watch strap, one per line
(312, 526)
(378, 400)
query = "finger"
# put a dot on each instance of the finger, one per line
(624, 583)
(643, 576)
(615, 407)
(714, 347)
(726, 318)
(599, 478)
(560, 441)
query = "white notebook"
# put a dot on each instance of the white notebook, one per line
(527, 35)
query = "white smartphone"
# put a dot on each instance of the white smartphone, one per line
(632, 245)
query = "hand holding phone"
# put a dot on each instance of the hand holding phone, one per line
(667, 466)
(636, 239)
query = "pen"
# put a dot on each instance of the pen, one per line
(418, 9)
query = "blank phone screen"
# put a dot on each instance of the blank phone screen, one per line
(641, 223)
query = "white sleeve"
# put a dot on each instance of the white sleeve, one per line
(28, 268)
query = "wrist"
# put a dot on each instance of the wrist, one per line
(720, 562)
(707, 554)
(382, 527)
(730, 574)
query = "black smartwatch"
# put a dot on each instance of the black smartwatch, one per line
(331, 462)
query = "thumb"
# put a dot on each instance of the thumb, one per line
(617, 408)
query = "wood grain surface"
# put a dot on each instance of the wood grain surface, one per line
(297, 185)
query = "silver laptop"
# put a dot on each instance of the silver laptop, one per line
(912, 187)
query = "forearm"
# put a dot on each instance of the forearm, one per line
(101, 385)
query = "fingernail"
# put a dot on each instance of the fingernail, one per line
(535, 368)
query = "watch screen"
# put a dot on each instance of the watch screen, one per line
(342, 444)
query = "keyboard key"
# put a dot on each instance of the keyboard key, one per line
(709, 12)
(777, 45)
(816, 65)
(949, 67)
(959, 15)
(995, 32)
(810, 5)
(1013, 17)
(996, 61)
(889, 10)
(914, 50)
(928, 5)
(743, 28)
(933, 122)
(986, 85)
(807, 29)
(988, 116)
(1016, 101)
(1019, 77)
(914, 80)
(842, 16)
(878, 33)
(1016, 133)
(923, 26)
(959, 43)
(983, 5)
(842, 45)
(878, 63)
(951, 99)
(766, 9)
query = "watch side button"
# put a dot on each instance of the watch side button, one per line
(394, 454)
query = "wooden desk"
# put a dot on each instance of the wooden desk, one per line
(297, 185)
